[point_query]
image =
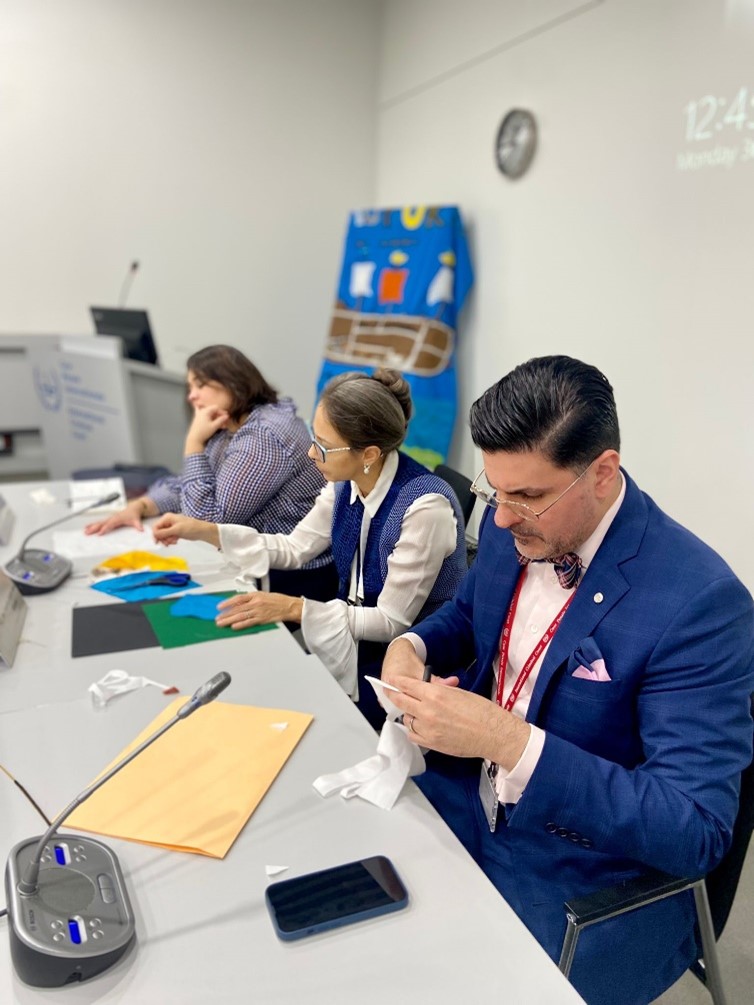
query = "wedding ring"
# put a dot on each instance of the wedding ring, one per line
(411, 724)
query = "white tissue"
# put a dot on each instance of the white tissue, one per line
(42, 496)
(380, 778)
(118, 682)
(382, 689)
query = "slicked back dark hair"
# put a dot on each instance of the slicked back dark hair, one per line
(237, 374)
(554, 404)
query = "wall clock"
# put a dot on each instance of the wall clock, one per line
(516, 142)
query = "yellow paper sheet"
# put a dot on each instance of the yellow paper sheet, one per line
(135, 561)
(194, 788)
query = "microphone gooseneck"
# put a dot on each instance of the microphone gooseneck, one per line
(125, 289)
(104, 501)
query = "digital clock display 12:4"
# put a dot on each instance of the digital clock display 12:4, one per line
(710, 115)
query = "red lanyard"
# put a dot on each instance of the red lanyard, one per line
(505, 640)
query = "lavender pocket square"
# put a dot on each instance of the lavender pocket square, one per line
(597, 671)
(589, 662)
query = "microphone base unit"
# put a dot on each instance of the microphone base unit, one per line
(78, 922)
(38, 571)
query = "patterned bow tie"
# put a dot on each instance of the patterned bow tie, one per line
(567, 567)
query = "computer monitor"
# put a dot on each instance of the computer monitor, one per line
(132, 326)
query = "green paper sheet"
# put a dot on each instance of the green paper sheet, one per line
(172, 632)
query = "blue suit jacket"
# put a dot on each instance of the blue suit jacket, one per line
(641, 769)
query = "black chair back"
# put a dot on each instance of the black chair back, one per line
(461, 485)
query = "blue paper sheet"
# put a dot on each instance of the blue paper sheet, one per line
(136, 586)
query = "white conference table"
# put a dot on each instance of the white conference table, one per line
(203, 933)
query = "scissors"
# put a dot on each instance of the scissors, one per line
(165, 579)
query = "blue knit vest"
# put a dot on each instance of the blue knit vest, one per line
(411, 481)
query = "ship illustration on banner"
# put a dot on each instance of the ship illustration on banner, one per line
(405, 276)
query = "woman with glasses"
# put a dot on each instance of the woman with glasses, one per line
(396, 533)
(244, 463)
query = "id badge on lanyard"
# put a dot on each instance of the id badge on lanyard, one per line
(488, 794)
(487, 787)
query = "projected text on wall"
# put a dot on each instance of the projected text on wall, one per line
(719, 131)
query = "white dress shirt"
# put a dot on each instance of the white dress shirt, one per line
(541, 598)
(333, 629)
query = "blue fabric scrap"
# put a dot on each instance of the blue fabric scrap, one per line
(203, 605)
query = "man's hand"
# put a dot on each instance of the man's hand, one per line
(171, 527)
(401, 661)
(204, 425)
(457, 722)
(130, 516)
(258, 609)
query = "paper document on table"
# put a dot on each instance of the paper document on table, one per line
(194, 788)
(84, 492)
(76, 544)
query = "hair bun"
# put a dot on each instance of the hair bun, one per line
(398, 387)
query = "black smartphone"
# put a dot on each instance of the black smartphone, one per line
(319, 901)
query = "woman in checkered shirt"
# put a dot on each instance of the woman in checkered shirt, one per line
(244, 463)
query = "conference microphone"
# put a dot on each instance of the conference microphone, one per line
(206, 693)
(35, 570)
(69, 914)
(126, 287)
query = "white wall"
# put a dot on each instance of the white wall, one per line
(605, 250)
(220, 143)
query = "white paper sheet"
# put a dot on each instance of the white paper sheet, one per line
(75, 544)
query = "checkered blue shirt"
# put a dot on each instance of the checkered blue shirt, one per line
(259, 476)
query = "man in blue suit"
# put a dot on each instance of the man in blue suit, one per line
(596, 717)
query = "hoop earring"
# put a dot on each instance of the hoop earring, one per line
(366, 468)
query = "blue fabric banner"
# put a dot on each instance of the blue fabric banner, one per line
(405, 276)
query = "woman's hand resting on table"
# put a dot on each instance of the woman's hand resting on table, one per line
(258, 609)
(130, 516)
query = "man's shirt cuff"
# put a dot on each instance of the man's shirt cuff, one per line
(417, 642)
(511, 784)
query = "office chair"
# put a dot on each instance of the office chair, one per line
(461, 485)
(462, 488)
(713, 897)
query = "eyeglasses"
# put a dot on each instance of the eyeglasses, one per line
(488, 495)
(322, 452)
